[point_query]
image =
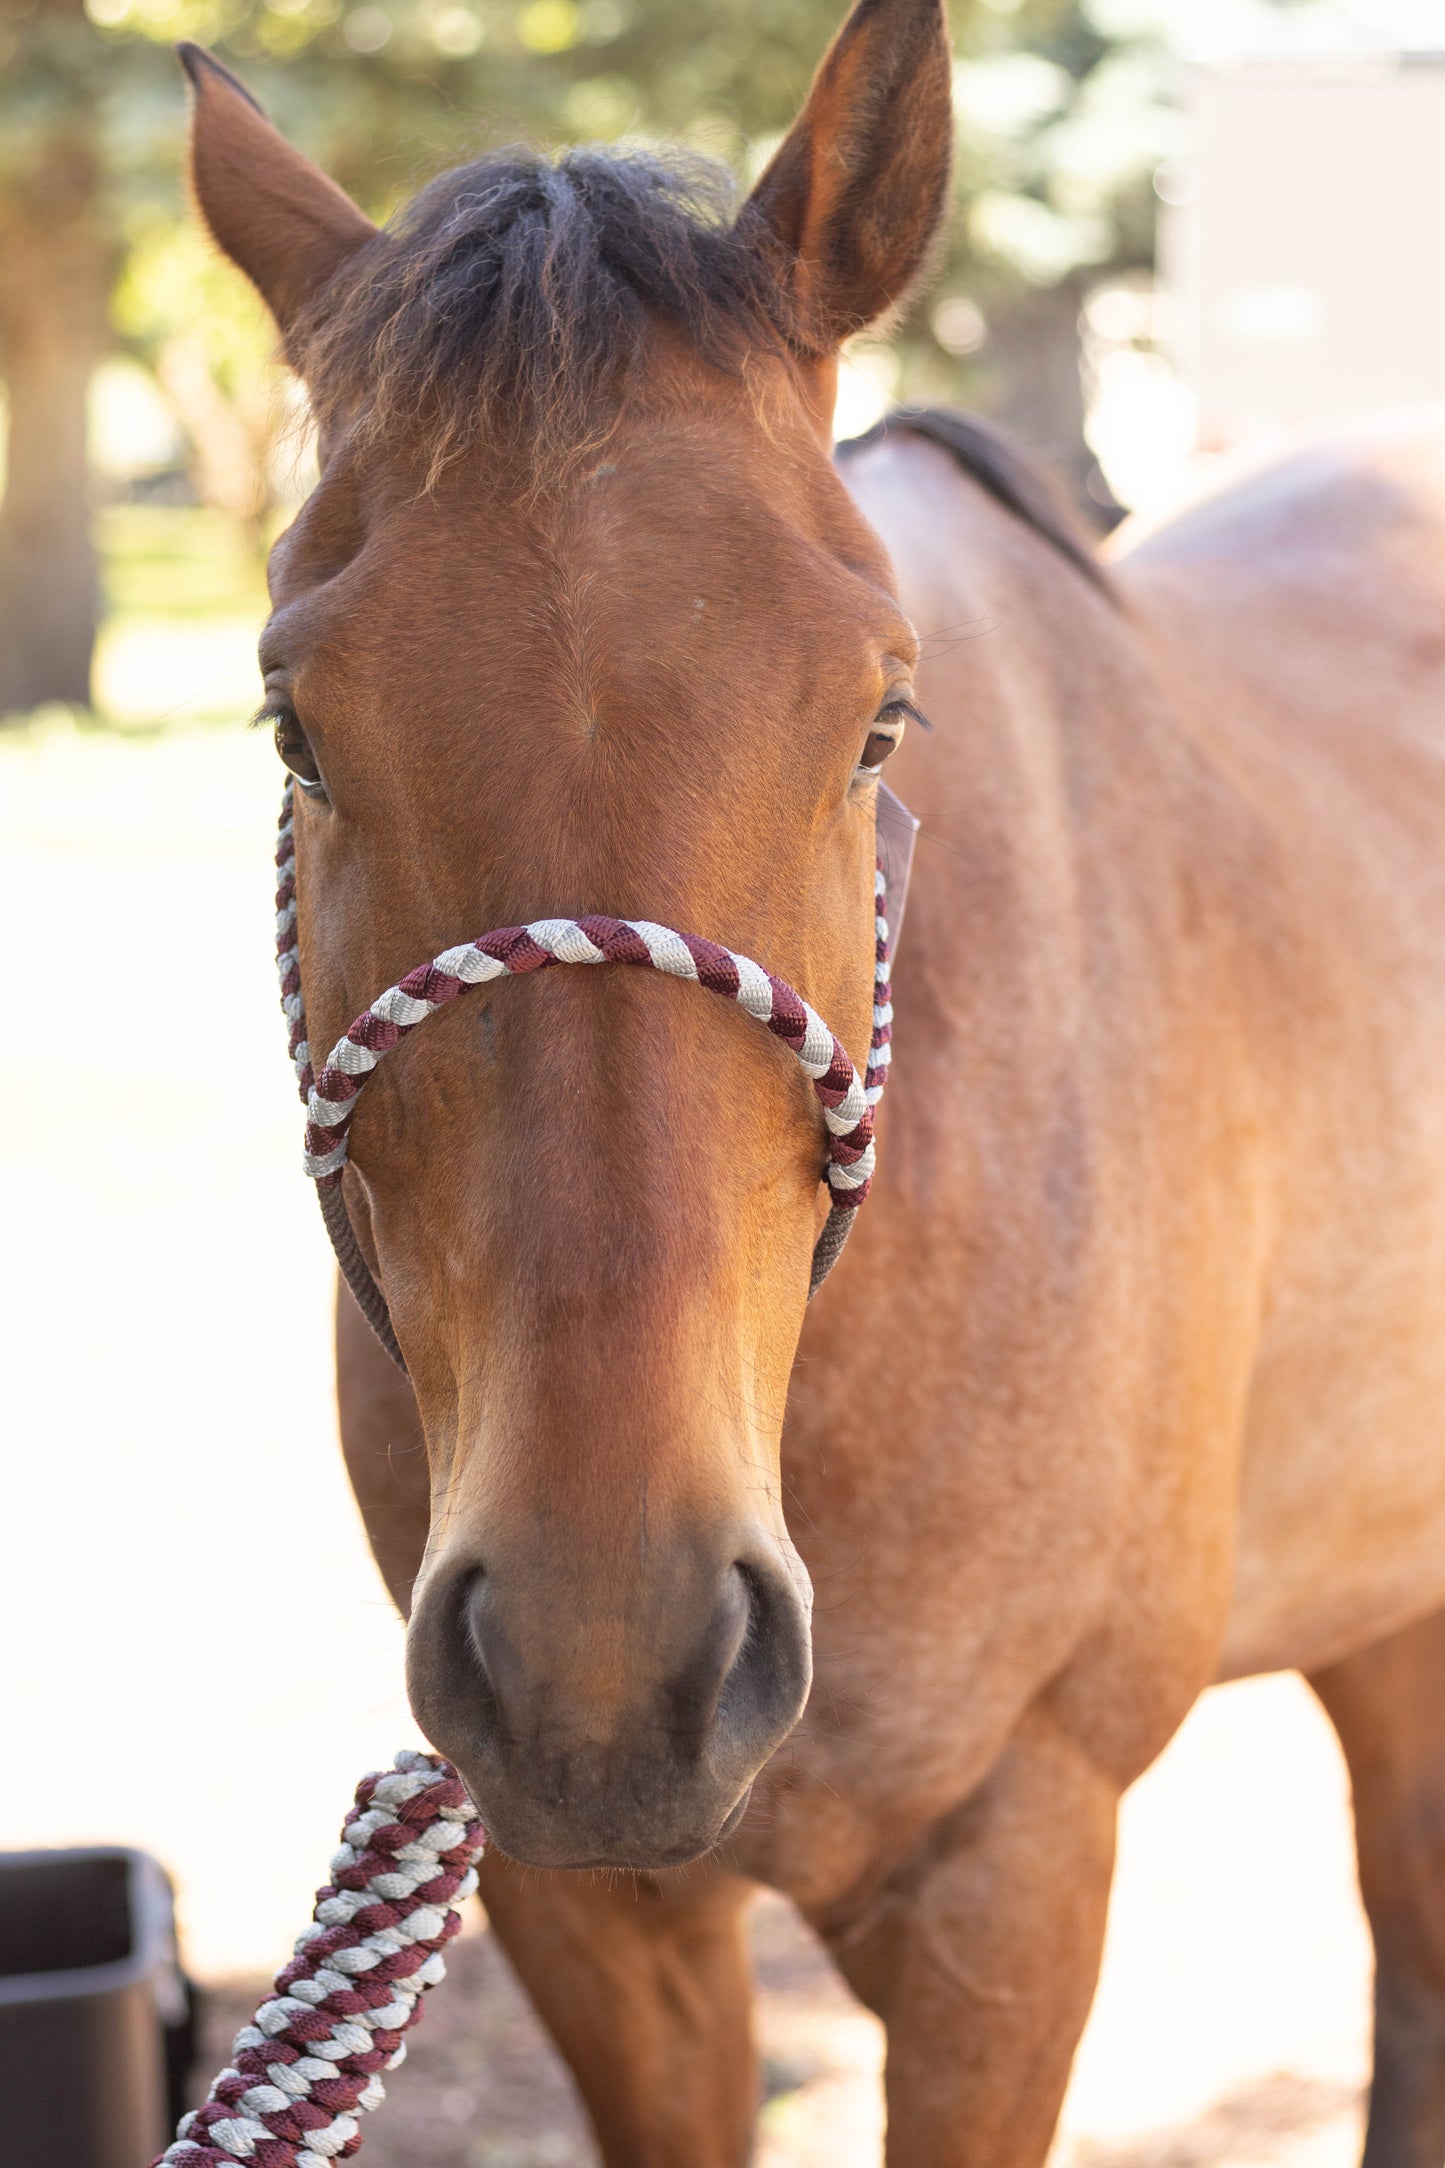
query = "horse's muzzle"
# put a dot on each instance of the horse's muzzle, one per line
(643, 1759)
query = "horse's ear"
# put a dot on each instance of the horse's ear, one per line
(275, 215)
(857, 189)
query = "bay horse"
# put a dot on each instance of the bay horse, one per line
(1133, 1376)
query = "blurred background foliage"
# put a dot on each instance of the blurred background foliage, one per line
(113, 307)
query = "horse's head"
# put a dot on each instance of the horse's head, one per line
(579, 619)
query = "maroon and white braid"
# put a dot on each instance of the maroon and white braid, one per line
(311, 2060)
(330, 1097)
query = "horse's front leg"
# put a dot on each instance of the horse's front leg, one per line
(644, 1983)
(981, 1953)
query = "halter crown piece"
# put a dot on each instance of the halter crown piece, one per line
(330, 1097)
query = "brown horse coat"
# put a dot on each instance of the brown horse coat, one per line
(1132, 1375)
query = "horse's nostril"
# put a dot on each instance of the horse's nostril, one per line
(479, 1636)
(471, 1598)
(766, 1679)
(742, 1629)
(735, 1621)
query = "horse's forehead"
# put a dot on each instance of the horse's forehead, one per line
(689, 444)
(665, 536)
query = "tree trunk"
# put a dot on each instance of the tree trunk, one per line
(1035, 383)
(55, 271)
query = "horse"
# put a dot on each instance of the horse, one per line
(1131, 1377)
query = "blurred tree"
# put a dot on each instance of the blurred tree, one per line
(1061, 123)
(1060, 127)
(55, 272)
(180, 308)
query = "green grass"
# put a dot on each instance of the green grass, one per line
(177, 562)
(183, 598)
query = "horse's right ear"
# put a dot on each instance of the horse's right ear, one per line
(855, 195)
(276, 215)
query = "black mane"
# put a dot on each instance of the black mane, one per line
(513, 294)
(1006, 473)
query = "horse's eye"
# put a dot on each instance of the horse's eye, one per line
(294, 747)
(884, 736)
(887, 732)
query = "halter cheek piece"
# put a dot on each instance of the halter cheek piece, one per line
(847, 1102)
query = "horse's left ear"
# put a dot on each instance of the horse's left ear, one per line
(857, 190)
(277, 216)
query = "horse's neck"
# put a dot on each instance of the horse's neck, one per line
(1051, 752)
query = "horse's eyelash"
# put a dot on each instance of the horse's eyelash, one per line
(906, 707)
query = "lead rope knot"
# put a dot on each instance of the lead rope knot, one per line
(311, 2061)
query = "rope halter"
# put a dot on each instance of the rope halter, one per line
(330, 1097)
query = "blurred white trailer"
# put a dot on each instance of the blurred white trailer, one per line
(1303, 241)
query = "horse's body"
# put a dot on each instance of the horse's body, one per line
(1131, 1377)
(1214, 818)
(1134, 1376)
(1299, 624)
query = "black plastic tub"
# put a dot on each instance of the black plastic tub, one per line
(96, 2017)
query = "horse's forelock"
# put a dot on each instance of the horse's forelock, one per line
(512, 298)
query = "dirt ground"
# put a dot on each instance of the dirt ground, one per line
(482, 2086)
(198, 1657)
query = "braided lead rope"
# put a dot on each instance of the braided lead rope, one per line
(511, 951)
(312, 2059)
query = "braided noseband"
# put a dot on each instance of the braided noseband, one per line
(330, 1098)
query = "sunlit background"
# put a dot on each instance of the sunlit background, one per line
(1181, 228)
